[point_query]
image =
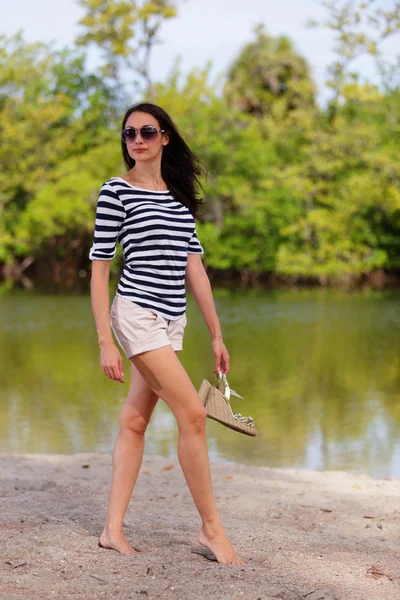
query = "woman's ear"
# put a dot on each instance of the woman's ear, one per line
(166, 139)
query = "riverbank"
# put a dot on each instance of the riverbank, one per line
(303, 534)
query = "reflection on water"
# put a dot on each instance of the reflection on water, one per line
(319, 370)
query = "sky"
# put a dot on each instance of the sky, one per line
(204, 30)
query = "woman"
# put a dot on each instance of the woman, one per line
(150, 210)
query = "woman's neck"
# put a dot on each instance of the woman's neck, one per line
(147, 176)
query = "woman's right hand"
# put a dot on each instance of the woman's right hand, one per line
(111, 362)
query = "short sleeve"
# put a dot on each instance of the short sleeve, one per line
(110, 215)
(194, 245)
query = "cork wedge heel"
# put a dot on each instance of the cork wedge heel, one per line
(217, 404)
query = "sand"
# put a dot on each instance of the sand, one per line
(303, 534)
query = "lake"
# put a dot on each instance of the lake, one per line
(319, 371)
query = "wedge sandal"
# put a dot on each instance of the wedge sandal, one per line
(216, 400)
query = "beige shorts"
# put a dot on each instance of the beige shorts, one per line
(139, 329)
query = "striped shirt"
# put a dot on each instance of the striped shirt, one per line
(156, 233)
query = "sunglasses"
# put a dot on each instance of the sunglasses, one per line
(148, 133)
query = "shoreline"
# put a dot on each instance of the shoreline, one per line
(314, 535)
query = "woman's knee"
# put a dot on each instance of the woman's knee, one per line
(194, 420)
(132, 421)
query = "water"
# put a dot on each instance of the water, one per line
(319, 370)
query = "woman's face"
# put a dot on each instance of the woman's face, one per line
(139, 149)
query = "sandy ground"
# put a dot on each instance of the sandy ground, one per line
(303, 534)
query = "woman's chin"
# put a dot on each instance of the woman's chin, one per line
(140, 156)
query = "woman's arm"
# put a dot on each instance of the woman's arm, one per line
(110, 357)
(200, 285)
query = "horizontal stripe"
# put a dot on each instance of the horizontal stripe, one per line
(157, 221)
(174, 296)
(149, 254)
(158, 213)
(168, 313)
(157, 244)
(154, 228)
(167, 284)
(102, 245)
(158, 234)
(174, 303)
(157, 267)
(155, 277)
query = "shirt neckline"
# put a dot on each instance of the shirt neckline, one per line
(135, 187)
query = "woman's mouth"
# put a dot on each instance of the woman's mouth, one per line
(139, 149)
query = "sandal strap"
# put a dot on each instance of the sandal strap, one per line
(233, 393)
(246, 420)
(226, 391)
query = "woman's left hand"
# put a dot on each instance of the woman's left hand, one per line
(221, 356)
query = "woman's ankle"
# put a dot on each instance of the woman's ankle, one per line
(113, 526)
(212, 527)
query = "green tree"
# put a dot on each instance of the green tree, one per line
(269, 78)
(51, 112)
(125, 31)
(347, 181)
(292, 189)
(359, 28)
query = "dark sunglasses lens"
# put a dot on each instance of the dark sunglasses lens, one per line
(148, 133)
(128, 134)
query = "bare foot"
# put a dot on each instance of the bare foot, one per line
(217, 541)
(116, 541)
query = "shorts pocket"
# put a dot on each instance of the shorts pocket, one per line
(132, 320)
(181, 323)
(113, 306)
(144, 321)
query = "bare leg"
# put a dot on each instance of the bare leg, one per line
(165, 374)
(127, 459)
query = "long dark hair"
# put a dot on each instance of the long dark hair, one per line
(180, 168)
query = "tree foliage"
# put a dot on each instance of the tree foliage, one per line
(125, 31)
(293, 190)
(269, 77)
(359, 28)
